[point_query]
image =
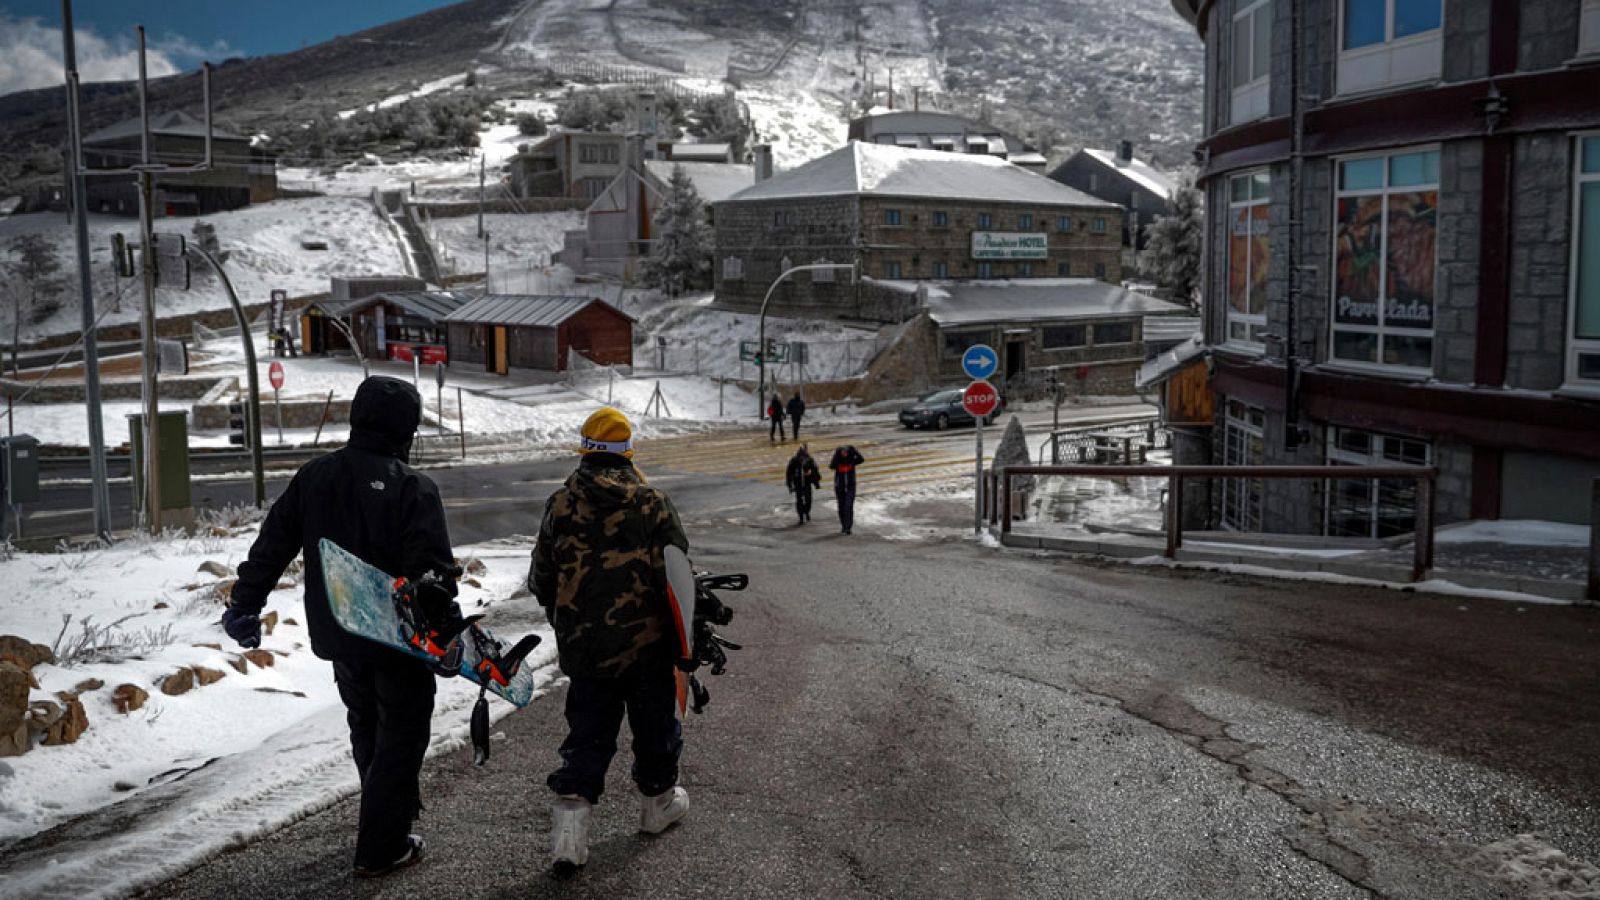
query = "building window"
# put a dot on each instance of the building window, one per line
(940, 218)
(1242, 445)
(1025, 270)
(1583, 360)
(1098, 226)
(732, 269)
(1025, 222)
(891, 217)
(1372, 507)
(985, 270)
(985, 220)
(594, 187)
(1388, 42)
(1113, 333)
(941, 269)
(957, 342)
(1249, 252)
(1063, 224)
(1385, 229)
(1589, 28)
(1064, 269)
(1056, 337)
(1099, 270)
(891, 269)
(1252, 60)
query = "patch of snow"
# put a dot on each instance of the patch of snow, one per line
(423, 90)
(1322, 552)
(1539, 870)
(1516, 532)
(1431, 586)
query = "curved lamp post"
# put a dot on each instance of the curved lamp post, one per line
(761, 329)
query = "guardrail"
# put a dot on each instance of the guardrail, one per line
(1105, 443)
(997, 495)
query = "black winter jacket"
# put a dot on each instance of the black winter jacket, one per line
(802, 474)
(363, 497)
(797, 407)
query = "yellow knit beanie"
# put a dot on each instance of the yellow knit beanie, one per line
(607, 431)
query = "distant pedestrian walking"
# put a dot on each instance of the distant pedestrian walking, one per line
(845, 460)
(775, 415)
(802, 477)
(797, 409)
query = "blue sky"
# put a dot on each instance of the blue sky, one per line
(182, 33)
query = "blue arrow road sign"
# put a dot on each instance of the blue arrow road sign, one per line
(979, 362)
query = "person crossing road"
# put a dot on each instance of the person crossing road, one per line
(802, 476)
(775, 416)
(844, 462)
(797, 410)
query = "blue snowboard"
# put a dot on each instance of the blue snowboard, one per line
(361, 597)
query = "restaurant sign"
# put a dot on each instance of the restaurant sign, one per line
(1009, 245)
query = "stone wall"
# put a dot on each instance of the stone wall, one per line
(1547, 33)
(187, 388)
(917, 243)
(1541, 226)
(763, 234)
(1455, 297)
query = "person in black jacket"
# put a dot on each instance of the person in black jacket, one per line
(801, 477)
(797, 408)
(775, 416)
(365, 498)
(844, 462)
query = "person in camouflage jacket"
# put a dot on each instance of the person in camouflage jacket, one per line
(599, 573)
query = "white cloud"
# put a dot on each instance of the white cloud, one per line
(30, 55)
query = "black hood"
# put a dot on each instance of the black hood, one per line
(384, 416)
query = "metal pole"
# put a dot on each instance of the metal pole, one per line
(327, 409)
(720, 386)
(440, 396)
(761, 328)
(481, 157)
(152, 402)
(252, 377)
(977, 482)
(1422, 539)
(1594, 544)
(100, 489)
(277, 409)
(461, 412)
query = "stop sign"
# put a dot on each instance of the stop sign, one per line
(275, 375)
(980, 399)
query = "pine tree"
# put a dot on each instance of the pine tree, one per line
(1172, 255)
(680, 259)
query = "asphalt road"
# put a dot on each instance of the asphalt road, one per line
(945, 720)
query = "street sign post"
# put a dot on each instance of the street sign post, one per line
(979, 362)
(275, 376)
(980, 399)
(438, 376)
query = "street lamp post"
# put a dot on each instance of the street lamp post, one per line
(761, 328)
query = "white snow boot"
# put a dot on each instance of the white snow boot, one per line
(658, 813)
(569, 835)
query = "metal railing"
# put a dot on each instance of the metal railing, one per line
(997, 494)
(1105, 443)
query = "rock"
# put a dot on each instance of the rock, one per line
(211, 567)
(207, 646)
(472, 581)
(123, 787)
(67, 729)
(261, 658)
(65, 696)
(269, 622)
(272, 690)
(42, 714)
(15, 682)
(291, 622)
(88, 685)
(16, 741)
(284, 654)
(475, 566)
(25, 651)
(179, 682)
(129, 697)
(295, 568)
(285, 586)
(218, 531)
(239, 664)
(223, 589)
(17, 664)
(208, 676)
(161, 604)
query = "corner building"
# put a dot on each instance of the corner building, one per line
(1404, 266)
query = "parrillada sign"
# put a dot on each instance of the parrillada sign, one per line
(1010, 245)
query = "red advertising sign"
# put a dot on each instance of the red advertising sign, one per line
(428, 354)
(980, 399)
(275, 375)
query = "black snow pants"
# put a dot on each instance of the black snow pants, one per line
(794, 422)
(844, 490)
(776, 428)
(389, 704)
(595, 706)
(802, 502)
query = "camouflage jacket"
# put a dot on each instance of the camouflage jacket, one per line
(598, 572)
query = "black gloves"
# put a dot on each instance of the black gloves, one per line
(243, 627)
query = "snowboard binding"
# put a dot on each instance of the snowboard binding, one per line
(496, 664)
(709, 646)
(418, 629)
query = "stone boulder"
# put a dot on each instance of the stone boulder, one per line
(69, 727)
(25, 653)
(43, 715)
(17, 741)
(179, 682)
(15, 683)
(212, 567)
(474, 566)
(261, 658)
(129, 697)
(269, 621)
(88, 685)
(207, 676)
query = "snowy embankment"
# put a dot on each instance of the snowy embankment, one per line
(226, 760)
(516, 242)
(706, 340)
(264, 254)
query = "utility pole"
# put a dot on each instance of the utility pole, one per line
(99, 490)
(147, 268)
(482, 176)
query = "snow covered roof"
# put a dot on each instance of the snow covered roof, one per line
(715, 181)
(175, 123)
(1163, 329)
(524, 309)
(434, 305)
(882, 170)
(1036, 300)
(702, 152)
(1137, 171)
(1169, 363)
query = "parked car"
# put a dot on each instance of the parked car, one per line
(940, 410)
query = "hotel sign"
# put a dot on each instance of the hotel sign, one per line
(1009, 245)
